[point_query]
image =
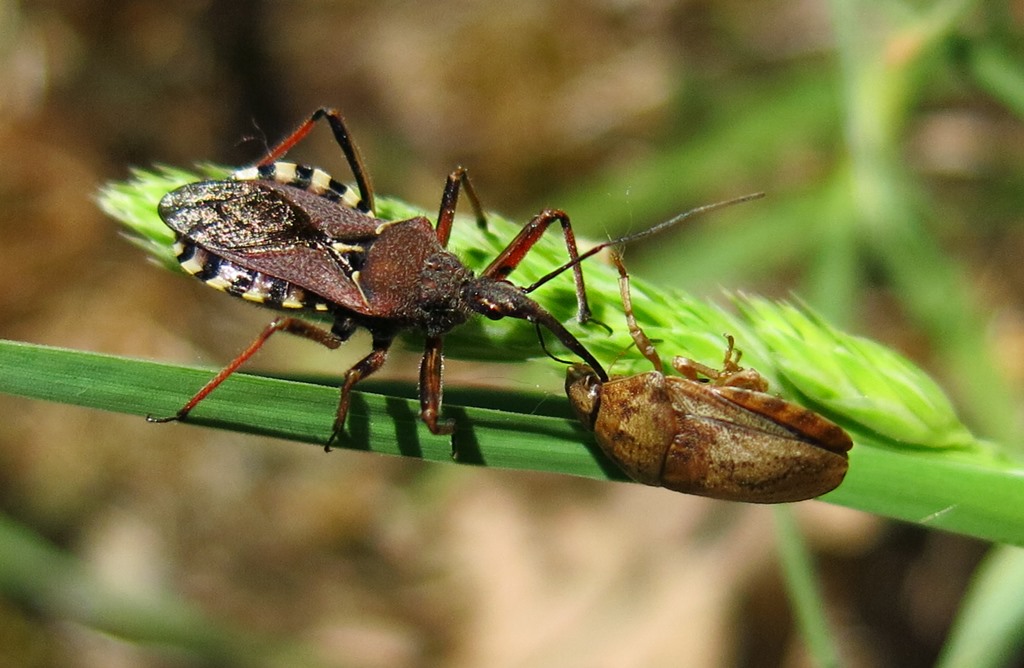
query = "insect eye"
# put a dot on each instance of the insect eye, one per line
(583, 388)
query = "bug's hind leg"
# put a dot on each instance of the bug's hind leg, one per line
(286, 324)
(348, 147)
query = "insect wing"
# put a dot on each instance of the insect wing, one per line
(284, 232)
(800, 421)
(733, 462)
(742, 445)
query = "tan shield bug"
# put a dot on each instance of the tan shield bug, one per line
(723, 437)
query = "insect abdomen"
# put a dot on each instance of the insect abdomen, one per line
(238, 281)
(303, 177)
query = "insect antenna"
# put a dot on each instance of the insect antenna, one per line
(671, 222)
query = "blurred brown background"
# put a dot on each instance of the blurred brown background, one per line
(362, 560)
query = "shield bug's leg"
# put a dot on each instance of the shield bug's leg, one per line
(693, 370)
(731, 375)
(731, 360)
(509, 259)
(431, 387)
(363, 368)
(290, 325)
(450, 198)
(348, 147)
(643, 343)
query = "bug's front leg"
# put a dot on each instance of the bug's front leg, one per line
(431, 385)
(640, 338)
(732, 375)
(509, 259)
(506, 261)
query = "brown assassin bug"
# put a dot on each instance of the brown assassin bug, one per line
(290, 237)
(724, 437)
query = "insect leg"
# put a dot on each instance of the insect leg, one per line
(732, 375)
(731, 361)
(450, 198)
(290, 325)
(638, 235)
(693, 370)
(362, 369)
(344, 139)
(431, 387)
(509, 259)
(643, 343)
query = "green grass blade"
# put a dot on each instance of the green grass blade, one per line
(385, 424)
(804, 592)
(966, 491)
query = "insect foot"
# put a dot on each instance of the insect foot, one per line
(723, 437)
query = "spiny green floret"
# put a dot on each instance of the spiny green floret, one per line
(852, 376)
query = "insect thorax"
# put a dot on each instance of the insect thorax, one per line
(441, 303)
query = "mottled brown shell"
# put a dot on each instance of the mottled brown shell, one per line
(722, 442)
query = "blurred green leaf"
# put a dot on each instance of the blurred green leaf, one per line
(34, 570)
(987, 632)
